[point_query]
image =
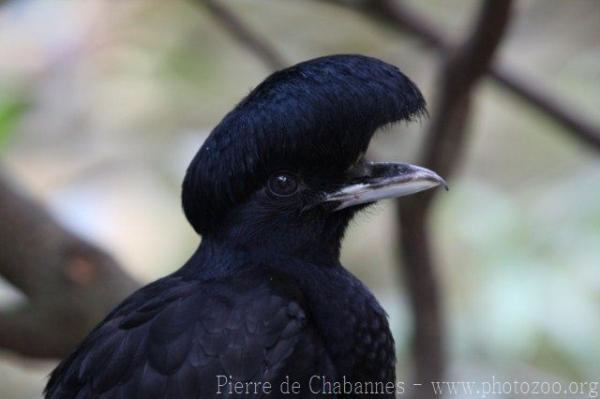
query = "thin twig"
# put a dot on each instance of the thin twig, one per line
(244, 34)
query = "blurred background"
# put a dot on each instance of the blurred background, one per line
(103, 104)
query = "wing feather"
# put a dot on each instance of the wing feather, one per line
(175, 341)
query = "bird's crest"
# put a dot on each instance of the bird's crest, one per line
(320, 114)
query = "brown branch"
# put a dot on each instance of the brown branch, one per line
(399, 16)
(69, 283)
(244, 34)
(581, 128)
(443, 147)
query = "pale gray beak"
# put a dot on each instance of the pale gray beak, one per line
(372, 181)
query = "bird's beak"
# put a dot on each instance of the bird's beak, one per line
(372, 181)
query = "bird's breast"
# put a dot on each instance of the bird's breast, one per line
(354, 327)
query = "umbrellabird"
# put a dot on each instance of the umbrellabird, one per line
(264, 308)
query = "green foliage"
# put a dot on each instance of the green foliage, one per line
(12, 109)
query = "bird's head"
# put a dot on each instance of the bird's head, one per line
(285, 169)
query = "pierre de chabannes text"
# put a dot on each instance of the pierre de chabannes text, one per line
(322, 385)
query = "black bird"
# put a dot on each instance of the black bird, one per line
(264, 301)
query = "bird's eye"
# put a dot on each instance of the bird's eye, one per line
(282, 184)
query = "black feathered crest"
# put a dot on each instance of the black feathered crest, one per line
(322, 112)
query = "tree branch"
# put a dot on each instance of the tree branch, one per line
(401, 17)
(244, 34)
(69, 283)
(443, 147)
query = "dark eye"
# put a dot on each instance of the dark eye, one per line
(282, 184)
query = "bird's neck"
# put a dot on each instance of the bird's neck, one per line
(216, 258)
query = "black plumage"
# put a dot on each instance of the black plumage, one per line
(319, 114)
(265, 298)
